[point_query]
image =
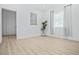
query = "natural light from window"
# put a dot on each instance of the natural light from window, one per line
(58, 19)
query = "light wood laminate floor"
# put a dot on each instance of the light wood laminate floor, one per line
(38, 46)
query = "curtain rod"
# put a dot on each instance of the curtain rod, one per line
(68, 5)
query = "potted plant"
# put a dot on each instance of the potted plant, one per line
(44, 25)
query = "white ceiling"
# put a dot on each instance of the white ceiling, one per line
(41, 7)
(44, 7)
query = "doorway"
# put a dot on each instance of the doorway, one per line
(8, 23)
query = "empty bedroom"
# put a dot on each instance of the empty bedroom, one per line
(39, 29)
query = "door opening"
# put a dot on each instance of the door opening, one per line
(8, 23)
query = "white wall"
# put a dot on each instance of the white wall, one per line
(0, 25)
(75, 21)
(8, 22)
(24, 29)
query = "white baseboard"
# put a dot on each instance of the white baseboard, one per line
(71, 38)
(27, 37)
(62, 37)
(0, 40)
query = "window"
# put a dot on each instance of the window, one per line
(33, 18)
(58, 19)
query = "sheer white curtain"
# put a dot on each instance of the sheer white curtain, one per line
(51, 22)
(68, 21)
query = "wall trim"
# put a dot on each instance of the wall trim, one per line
(62, 37)
(0, 40)
(28, 37)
